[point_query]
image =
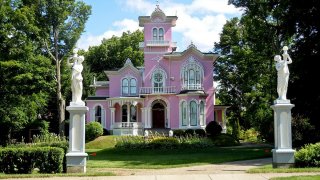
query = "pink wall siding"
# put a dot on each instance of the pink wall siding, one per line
(102, 91)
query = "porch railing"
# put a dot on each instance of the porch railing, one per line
(192, 87)
(158, 90)
(127, 125)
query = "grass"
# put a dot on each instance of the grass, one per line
(159, 159)
(269, 169)
(38, 175)
(317, 177)
(102, 142)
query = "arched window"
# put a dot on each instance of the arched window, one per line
(133, 113)
(158, 80)
(183, 109)
(125, 86)
(97, 115)
(192, 75)
(133, 86)
(193, 113)
(161, 34)
(201, 114)
(124, 113)
(155, 34)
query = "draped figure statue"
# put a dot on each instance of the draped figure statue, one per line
(283, 73)
(76, 78)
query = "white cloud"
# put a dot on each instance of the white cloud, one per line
(201, 21)
(118, 27)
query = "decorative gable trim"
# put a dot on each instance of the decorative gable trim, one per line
(128, 64)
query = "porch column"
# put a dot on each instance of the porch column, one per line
(128, 113)
(224, 121)
(143, 117)
(148, 117)
(167, 116)
(112, 110)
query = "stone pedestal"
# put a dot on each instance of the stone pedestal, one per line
(282, 154)
(76, 156)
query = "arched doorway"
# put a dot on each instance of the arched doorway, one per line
(158, 115)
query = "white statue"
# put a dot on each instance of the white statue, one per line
(283, 73)
(76, 78)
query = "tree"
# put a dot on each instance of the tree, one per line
(25, 75)
(113, 52)
(61, 23)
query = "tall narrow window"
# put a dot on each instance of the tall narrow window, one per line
(201, 117)
(184, 114)
(133, 86)
(158, 82)
(161, 34)
(124, 113)
(125, 86)
(133, 113)
(192, 75)
(155, 34)
(191, 79)
(98, 114)
(193, 113)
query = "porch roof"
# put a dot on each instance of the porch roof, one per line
(90, 98)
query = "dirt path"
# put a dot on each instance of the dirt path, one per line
(224, 168)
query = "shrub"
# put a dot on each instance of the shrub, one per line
(225, 140)
(164, 143)
(308, 156)
(24, 160)
(93, 130)
(249, 135)
(189, 132)
(200, 132)
(178, 133)
(213, 129)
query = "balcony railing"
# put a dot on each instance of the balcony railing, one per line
(192, 87)
(127, 125)
(158, 90)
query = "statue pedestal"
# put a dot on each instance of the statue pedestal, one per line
(282, 154)
(76, 156)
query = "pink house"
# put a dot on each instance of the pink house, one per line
(174, 90)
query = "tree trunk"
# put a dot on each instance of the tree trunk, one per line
(60, 101)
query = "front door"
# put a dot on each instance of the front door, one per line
(158, 115)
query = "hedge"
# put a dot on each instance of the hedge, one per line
(24, 160)
(308, 156)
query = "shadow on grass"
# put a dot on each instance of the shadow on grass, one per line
(157, 159)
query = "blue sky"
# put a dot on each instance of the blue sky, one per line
(199, 21)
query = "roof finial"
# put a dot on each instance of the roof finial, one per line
(157, 3)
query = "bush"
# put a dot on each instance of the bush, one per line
(225, 140)
(189, 132)
(213, 129)
(178, 133)
(249, 135)
(164, 143)
(24, 160)
(93, 130)
(200, 132)
(308, 156)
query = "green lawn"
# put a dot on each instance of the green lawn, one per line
(37, 175)
(102, 142)
(269, 169)
(158, 159)
(298, 178)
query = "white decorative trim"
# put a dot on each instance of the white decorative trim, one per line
(129, 77)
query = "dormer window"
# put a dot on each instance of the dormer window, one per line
(129, 86)
(192, 75)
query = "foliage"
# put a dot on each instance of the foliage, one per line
(302, 131)
(161, 142)
(200, 132)
(178, 133)
(308, 156)
(93, 130)
(225, 140)
(24, 160)
(213, 129)
(112, 53)
(189, 132)
(48, 138)
(249, 135)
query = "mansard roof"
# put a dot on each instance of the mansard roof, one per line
(191, 49)
(127, 64)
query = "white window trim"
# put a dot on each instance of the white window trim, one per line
(196, 66)
(129, 86)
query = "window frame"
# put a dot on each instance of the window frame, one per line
(193, 113)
